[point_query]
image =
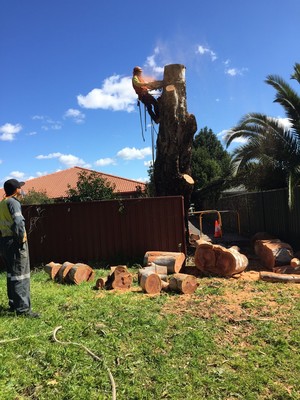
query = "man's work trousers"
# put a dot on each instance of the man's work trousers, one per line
(150, 102)
(16, 258)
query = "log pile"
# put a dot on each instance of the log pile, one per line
(69, 272)
(217, 260)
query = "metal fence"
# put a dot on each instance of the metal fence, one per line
(266, 212)
(112, 231)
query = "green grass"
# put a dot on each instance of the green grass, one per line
(232, 339)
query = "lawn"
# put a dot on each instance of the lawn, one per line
(231, 339)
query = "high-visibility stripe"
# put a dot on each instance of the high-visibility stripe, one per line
(18, 277)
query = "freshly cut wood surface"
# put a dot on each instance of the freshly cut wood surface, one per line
(52, 269)
(150, 282)
(183, 283)
(80, 273)
(273, 253)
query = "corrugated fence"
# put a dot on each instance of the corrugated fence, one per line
(266, 212)
(112, 231)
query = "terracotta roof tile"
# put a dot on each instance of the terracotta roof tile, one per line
(56, 184)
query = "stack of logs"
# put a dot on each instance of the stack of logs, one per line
(69, 272)
(218, 260)
(277, 258)
(161, 272)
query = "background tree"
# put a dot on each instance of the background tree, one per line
(269, 142)
(211, 168)
(91, 186)
(34, 197)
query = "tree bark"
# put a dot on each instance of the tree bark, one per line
(172, 166)
(80, 273)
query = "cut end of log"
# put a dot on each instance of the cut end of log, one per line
(188, 179)
(183, 283)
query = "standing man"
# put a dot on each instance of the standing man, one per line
(14, 249)
(141, 88)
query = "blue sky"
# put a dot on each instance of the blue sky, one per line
(66, 97)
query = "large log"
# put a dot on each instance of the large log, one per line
(172, 260)
(273, 253)
(150, 282)
(160, 270)
(274, 277)
(61, 276)
(217, 260)
(80, 273)
(52, 269)
(183, 283)
(119, 278)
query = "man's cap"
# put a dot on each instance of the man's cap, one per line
(11, 186)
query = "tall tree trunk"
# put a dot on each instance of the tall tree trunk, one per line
(172, 167)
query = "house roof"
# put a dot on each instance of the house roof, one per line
(56, 185)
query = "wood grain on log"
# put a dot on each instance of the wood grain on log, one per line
(119, 278)
(80, 273)
(150, 282)
(273, 253)
(61, 276)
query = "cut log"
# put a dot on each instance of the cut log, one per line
(100, 283)
(273, 277)
(63, 272)
(160, 270)
(119, 278)
(52, 269)
(150, 282)
(295, 262)
(172, 260)
(217, 260)
(80, 273)
(273, 253)
(183, 283)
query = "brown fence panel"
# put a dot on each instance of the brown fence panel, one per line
(105, 231)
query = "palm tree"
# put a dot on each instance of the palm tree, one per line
(268, 141)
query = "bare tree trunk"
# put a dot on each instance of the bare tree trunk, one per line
(172, 167)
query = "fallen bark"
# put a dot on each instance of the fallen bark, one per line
(274, 277)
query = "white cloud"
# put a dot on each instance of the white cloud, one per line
(76, 115)
(102, 162)
(205, 50)
(148, 163)
(48, 123)
(132, 153)
(152, 64)
(67, 159)
(285, 123)
(8, 131)
(116, 94)
(235, 71)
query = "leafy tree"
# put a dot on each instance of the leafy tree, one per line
(211, 167)
(269, 142)
(90, 186)
(34, 197)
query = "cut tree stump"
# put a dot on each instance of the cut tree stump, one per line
(52, 269)
(273, 277)
(273, 253)
(80, 273)
(172, 260)
(217, 260)
(183, 283)
(150, 282)
(119, 278)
